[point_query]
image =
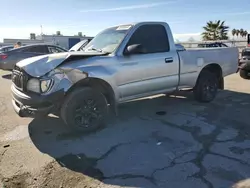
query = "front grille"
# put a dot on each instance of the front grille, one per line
(19, 78)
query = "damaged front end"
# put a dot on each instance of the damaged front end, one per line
(31, 97)
(39, 96)
(40, 83)
(39, 90)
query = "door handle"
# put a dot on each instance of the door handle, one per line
(169, 60)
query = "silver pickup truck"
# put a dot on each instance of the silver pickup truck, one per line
(120, 64)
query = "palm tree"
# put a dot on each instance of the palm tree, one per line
(237, 32)
(215, 31)
(224, 31)
(245, 33)
(241, 32)
(233, 32)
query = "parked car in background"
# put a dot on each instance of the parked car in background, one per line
(245, 55)
(6, 48)
(8, 59)
(244, 64)
(212, 45)
(120, 64)
(80, 45)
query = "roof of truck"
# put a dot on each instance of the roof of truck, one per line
(143, 22)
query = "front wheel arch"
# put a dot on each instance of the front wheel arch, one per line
(101, 86)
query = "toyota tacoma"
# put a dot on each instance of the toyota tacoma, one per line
(120, 64)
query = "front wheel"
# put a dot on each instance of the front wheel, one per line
(84, 110)
(206, 87)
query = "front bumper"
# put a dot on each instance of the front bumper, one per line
(34, 105)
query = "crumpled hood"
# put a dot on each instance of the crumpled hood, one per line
(40, 65)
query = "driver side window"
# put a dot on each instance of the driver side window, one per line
(153, 38)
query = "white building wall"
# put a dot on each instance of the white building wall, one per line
(23, 41)
(62, 41)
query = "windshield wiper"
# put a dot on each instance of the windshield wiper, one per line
(99, 50)
(96, 49)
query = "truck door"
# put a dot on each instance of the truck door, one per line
(158, 66)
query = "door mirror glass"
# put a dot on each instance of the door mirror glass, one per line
(134, 49)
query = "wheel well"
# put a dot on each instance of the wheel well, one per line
(215, 68)
(97, 84)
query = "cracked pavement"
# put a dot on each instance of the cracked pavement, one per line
(163, 141)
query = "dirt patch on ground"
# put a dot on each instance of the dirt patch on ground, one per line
(17, 181)
(52, 176)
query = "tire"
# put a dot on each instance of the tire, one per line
(245, 71)
(206, 87)
(245, 74)
(84, 110)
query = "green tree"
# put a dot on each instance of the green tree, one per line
(242, 32)
(216, 30)
(233, 32)
(237, 32)
(245, 33)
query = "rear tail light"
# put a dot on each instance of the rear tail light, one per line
(3, 56)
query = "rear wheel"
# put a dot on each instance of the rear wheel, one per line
(206, 87)
(84, 110)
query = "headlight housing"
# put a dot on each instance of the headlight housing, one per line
(39, 86)
(45, 85)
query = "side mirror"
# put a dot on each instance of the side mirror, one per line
(134, 49)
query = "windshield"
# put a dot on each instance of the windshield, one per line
(245, 53)
(79, 46)
(108, 40)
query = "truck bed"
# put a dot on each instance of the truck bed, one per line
(193, 60)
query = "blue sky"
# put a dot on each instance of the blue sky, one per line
(186, 17)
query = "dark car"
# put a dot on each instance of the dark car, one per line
(245, 54)
(8, 59)
(6, 48)
(244, 64)
(212, 45)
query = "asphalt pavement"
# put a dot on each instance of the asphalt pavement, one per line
(164, 141)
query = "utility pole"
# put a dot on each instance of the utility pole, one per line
(41, 30)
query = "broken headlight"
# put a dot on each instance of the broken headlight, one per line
(39, 86)
(45, 85)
